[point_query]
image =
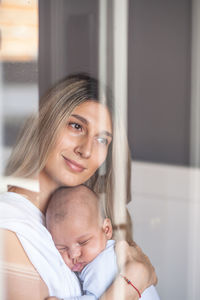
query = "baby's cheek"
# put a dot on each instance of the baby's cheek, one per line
(66, 259)
(91, 252)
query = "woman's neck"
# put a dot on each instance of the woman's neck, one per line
(46, 189)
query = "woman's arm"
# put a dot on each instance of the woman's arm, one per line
(134, 265)
(21, 280)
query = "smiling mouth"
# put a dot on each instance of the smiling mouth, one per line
(74, 166)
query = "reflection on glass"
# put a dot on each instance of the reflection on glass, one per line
(166, 206)
(18, 76)
(19, 30)
(18, 69)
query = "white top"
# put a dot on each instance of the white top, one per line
(99, 274)
(22, 217)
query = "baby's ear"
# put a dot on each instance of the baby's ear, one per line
(107, 228)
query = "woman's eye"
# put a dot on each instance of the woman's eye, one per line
(75, 126)
(103, 141)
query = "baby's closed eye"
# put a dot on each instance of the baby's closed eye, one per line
(82, 243)
(62, 250)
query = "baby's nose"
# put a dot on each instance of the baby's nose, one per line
(75, 252)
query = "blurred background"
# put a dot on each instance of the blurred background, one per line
(43, 41)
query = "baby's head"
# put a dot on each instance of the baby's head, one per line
(75, 220)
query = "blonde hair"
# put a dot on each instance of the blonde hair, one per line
(39, 135)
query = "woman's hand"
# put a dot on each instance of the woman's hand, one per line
(135, 265)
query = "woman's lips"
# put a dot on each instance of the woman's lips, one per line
(74, 166)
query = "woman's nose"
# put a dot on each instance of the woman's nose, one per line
(84, 148)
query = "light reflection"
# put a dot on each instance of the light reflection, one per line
(19, 30)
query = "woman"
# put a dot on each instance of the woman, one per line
(67, 145)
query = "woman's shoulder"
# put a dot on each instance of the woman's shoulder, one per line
(20, 276)
(13, 200)
(16, 206)
(14, 253)
(11, 213)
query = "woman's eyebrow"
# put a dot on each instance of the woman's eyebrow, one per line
(82, 119)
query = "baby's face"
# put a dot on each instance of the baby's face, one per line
(79, 240)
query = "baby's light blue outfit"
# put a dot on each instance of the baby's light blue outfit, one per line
(97, 276)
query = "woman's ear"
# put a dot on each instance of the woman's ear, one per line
(107, 228)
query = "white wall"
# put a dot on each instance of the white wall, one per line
(166, 213)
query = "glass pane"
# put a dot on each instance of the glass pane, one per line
(148, 54)
(18, 68)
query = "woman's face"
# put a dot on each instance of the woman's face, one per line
(81, 146)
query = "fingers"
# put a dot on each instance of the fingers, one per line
(123, 253)
(134, 255)
(132, 244)
(126, 253)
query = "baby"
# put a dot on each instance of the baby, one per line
(82, 234)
